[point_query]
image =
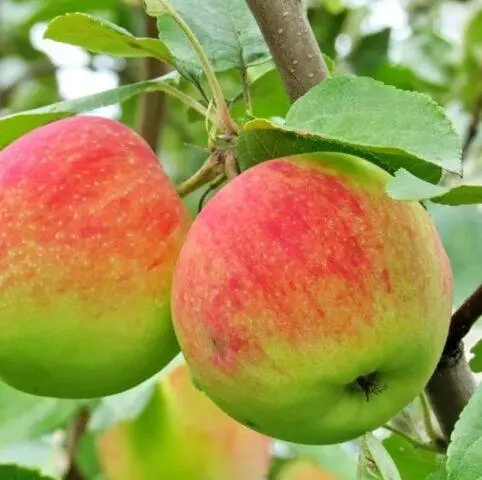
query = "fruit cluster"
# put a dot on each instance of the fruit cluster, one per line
(309, 305)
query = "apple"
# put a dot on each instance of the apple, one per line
(90, 230)
(310, 305)
(302, 469)
(182, 435)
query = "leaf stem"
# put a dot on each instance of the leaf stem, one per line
(184, 98)
(427, 419)
(430, 447)
(225, 118)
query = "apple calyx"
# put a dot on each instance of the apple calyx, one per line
(368, 384)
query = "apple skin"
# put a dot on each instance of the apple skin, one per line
(309, 305)
(303, 470)
(90, 230)
(182, 435)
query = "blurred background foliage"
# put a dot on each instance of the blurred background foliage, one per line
(421, 45)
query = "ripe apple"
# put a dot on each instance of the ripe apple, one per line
(182, 435)
(90, 230)
(303, 470)
(310, 305)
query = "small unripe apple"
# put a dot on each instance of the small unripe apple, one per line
(90, 230)
(310, 305)
(182, 435)
(303, 470)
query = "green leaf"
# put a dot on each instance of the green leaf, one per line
(227, 31)
(262, 140)
(406, 186)
(472, 61)
(16, 125)
(123, 406)
(465, 450)
(24, 416)
(14, 472)
(412, 463)
(332, 458)
(268, 97)
(367, 114)
(461, 230)
(476, 360)
(374, 461)
(99, 36)
(440, 474)
(370, 52)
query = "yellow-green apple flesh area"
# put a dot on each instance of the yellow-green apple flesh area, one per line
(309, 305)
(90, 230)
(182, 435)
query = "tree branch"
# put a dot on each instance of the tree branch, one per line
(452, 384)
(449, 390)
(152, 105)
(287, 32)
(462, 321)
(473, 128)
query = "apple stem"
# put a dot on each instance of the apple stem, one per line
(210, 170)
(431, 446)
(225, 118)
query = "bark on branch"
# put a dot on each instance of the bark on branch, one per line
(452, 384)
(293, 45)
(152, 105)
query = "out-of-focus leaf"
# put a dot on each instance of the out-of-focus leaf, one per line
(471, 88)
(13, 472)
(24, 416)
(45, 454)
(327, 25)
(461, 230)
(335, 459)
(121, 407)
(370, 52)
(99, 36)
(14, 126)
(476, 361)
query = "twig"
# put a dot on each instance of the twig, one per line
(152, 105)
(463, 320)
(75, 432)
(212, 168)
(415, 442)
(473, 128)
(292, 43)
